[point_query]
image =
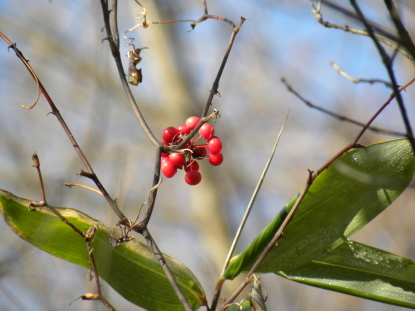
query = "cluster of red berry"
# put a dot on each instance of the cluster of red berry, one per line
(171, 162)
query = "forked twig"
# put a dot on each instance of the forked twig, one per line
(387, 62)
(43, 203)
(215, 86)
(338, 116)
(316, 10)
(57, 114)
(356, 80)
(87, 236)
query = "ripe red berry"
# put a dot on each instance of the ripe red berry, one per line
(168, 168)
(183, 129)
(192, 122)
(216, 159)
(191, 166)
(193, 177)
(214, 145)
(206, 131)
(169, 134)
(199, 152)
(177, 159)
(164, 154)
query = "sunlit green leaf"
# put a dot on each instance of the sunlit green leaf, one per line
(355, 188)
(131, 268)
(364, 271)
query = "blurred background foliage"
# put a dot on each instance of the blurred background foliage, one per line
(62, 40)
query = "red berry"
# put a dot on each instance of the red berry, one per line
(216, 159)
(169, 134)
(193, 177)
(177, 159)
(214, 145)
(192, 122)
(199, 152)
(168, 168)
(183, 129)
(191, 166)
(164, 154)
(206, 131)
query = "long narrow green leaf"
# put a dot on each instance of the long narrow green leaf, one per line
(355, 188)
(131, 268)
(361, 270)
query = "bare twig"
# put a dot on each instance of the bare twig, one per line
(87, 236)
(215, 85)
(43, 203)
(356, 80)
(387, 62)
(316, 10)
(57, 114)
(406, 40)
(338, 116)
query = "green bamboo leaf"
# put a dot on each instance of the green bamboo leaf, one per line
(355, 188)
(131, 268)
(363, 271)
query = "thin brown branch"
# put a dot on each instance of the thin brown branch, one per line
(356, 80)
(88, 237)
(43, 203)
(215, 86)
(316, 10)
(387, 62)
(338, 116)
(406, 40)
(57, 114)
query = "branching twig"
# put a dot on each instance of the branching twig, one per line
(356, 80)
(387, 62)
(338, 116)
(316, 10)
(57, 114)
(43, 203)
(406, 40)
(215, 85)
(87, 236)
(98, 296)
